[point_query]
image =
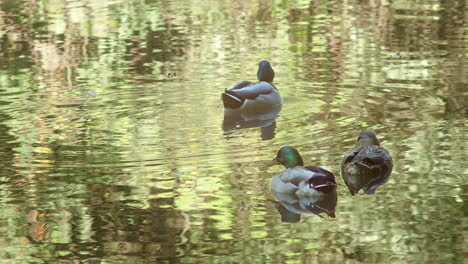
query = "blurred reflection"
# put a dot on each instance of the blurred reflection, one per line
(7, 153)
(83, 141)
(38, 226)
(290, 206)
(236, 119)
(155, 232)
(367, 165)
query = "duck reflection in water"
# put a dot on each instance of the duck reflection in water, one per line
(366, 165)
(250, 105)
(266, 123)
(291, 206)
(302, 190)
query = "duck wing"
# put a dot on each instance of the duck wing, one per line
(323, 180)
(238, 86)
(230, 98)
(368, 155)
(290, 179)
(247, 90)
(372, 156)
(378, 160)
(348, 157)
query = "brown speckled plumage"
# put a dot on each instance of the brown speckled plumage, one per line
(366, 165)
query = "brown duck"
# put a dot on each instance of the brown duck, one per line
(366, 165)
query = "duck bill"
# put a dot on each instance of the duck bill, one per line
(275, 162)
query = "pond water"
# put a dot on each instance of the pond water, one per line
(113, 149)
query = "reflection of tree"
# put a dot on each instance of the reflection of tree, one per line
(411, 33)
(6, 147)
(397, 27)
(120, 230)
(57, 139)
(64, 166)
(453, 73)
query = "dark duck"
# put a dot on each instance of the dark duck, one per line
(366, 165)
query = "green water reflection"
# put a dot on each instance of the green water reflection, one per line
(106, 156)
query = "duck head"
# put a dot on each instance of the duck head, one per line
(265, 72)
(367, 138)
(289, 157)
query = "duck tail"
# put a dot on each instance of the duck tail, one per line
(231, 101)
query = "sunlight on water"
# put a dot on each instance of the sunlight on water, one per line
(116, 148)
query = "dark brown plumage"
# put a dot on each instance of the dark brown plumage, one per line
(366, 165)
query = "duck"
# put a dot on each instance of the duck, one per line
(254, 99)
(303, 182)
(366, 165)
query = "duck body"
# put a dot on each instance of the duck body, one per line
(303, 181)
(366, 165)
(308, 181)
(254, 99)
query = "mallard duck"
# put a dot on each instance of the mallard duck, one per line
(366, 165)
(257, 98)
(299, 180)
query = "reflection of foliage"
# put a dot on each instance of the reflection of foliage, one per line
(125, 166)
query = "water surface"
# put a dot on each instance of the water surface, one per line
(112, 148)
